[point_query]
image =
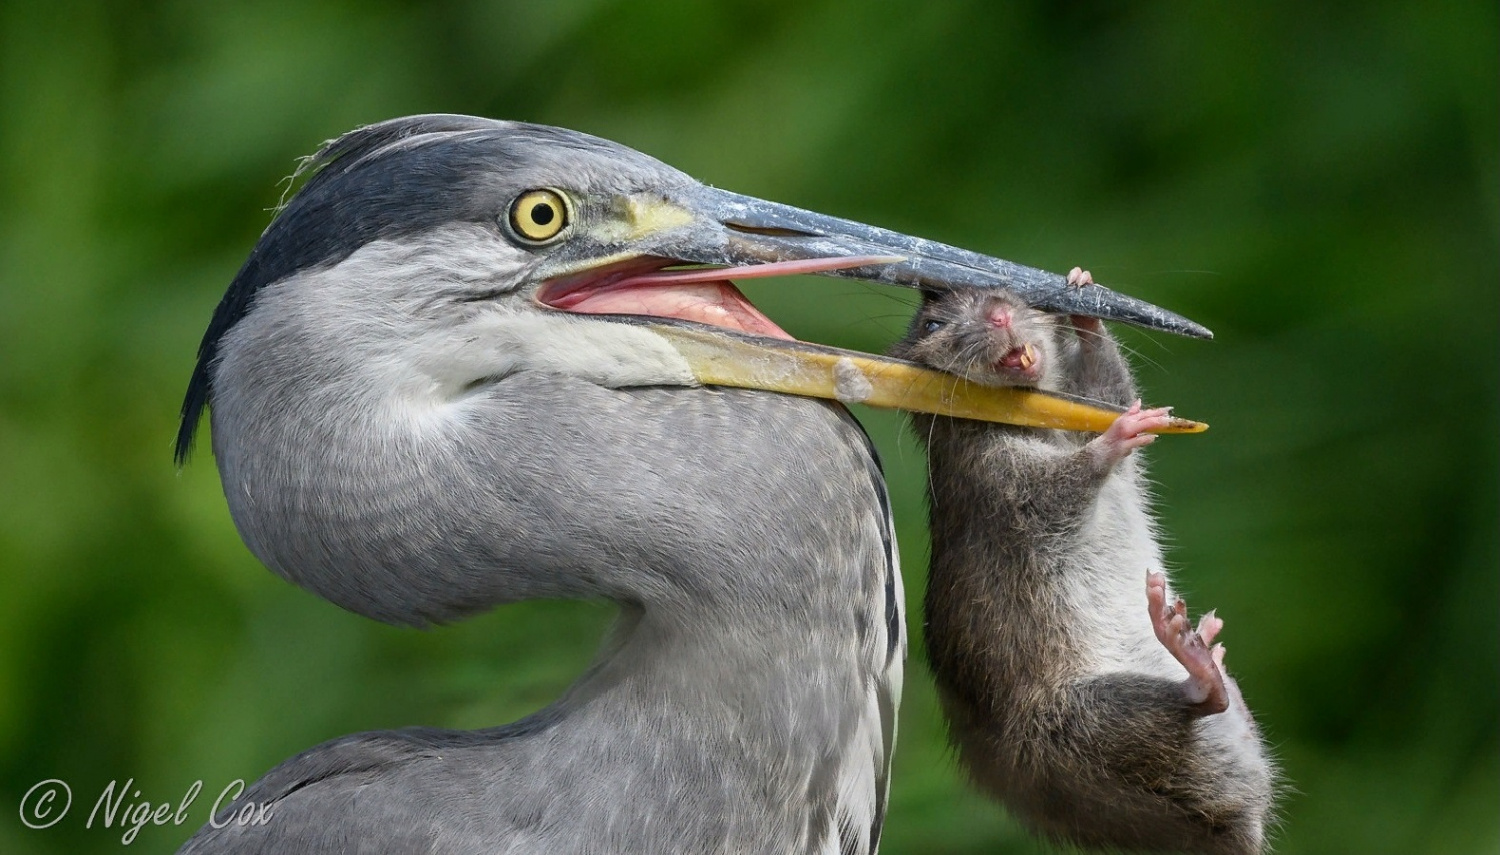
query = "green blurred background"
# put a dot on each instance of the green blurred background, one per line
(1317, 185)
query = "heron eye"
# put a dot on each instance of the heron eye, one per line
(933, 326)
(538, 216)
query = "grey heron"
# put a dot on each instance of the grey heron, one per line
(469, 363)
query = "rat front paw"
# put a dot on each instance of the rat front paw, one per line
(1129, 432)
(1083, 324)
(1205, 687)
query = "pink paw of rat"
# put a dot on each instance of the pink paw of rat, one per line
(1205, 686)
(1080, 278)
(1129, 432)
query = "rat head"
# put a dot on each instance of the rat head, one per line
(986, 336)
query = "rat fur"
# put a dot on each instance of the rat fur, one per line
(1096, 721)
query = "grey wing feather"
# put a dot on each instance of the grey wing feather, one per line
(338, 794)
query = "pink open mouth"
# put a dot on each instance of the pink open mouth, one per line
(1022, 360)
(644, 286)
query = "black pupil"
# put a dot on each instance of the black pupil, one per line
(933, 326)
(542, 213)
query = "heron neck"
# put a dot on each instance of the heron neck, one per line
(766, 734)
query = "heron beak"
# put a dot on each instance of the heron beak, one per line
(741, 230)
(727, 342)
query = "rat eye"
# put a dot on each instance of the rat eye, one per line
(538, 216)
(933, 326)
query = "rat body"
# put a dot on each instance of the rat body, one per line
(1095, 721)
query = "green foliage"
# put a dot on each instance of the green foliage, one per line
(1318, 185)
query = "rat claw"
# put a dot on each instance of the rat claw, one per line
(1156, 591)
(1209, 626)
(1078, 277)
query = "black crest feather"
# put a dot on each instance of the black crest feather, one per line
(331, 217)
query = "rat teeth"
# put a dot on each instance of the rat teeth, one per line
(1028, 357)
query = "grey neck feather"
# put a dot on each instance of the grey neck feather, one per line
(749, 694)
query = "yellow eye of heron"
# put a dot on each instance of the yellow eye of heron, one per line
(538, 216)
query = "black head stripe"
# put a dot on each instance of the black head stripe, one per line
(399, 190)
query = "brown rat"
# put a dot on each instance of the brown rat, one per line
(1095, 721)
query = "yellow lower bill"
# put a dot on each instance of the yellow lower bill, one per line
(726, 358)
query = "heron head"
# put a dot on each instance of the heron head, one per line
(464, 249)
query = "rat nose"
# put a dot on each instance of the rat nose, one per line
(1000, 317)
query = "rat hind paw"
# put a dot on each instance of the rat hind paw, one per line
(1204, 688)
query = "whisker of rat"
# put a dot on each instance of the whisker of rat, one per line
(971, 353)
(894, 297)
(1050, 292)
(1160, 343)
(932, 493)
(1141, 356)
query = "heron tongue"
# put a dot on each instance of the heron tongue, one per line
(717, 303)
(645, 286)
